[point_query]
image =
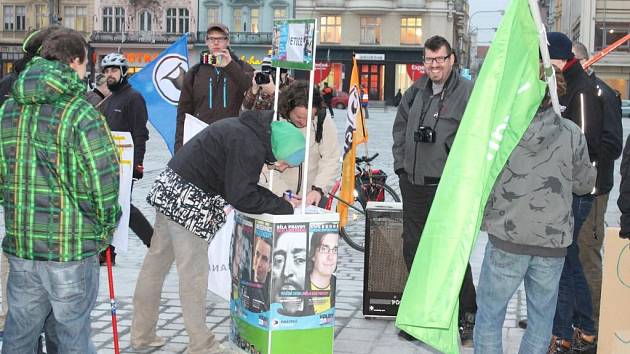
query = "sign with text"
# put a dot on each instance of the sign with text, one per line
(614, 327)
(369, 56)
(292, 44)
(415, 71)
(124, 145)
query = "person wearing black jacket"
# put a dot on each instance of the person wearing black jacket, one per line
(583, 107)
(593, 230)
(126, 111)
(218, 166)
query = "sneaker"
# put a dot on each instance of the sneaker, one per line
(466, 327)
(581, 344)
(558, 346)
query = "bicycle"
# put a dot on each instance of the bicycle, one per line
(369, 185)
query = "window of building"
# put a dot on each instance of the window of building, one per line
(255, 20)
(145, 21)
(184, 20)
(280, 13)
(609, 32)
(9, 20)
(119, 19)
(370, 30)
(214, 15)
(177, 20)
(237, 25)
(14, 18)
(20, 18)
(41, 16)
(411, 30)
(330, 29)
(171, 20)
(108, 19)
(75, 17)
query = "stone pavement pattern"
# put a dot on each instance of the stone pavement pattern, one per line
(353, 333)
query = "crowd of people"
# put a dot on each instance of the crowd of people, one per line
(59, 184)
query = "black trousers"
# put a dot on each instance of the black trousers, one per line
(330, 108)
(417, 202)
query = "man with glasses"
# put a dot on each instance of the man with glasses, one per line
(321, 266)
(424, 129)
(214, 88)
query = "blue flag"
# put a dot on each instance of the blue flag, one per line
(160, 83)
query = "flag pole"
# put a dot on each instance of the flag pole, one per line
(550, 74)
(112, 298)
(597, 57)
(309, 121)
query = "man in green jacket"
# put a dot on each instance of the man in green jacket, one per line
(59, 188)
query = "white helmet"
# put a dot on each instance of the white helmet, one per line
(115, 59)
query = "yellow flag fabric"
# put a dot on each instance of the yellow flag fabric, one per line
(356, 134)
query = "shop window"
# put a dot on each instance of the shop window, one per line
(330, 29)
(411, 30)
(370, 30)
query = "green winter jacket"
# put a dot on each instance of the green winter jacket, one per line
(59, 170)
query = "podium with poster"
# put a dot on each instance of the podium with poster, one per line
(283, 282)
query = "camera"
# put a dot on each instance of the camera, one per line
(262, 77)
(209, 58)
(424, 135)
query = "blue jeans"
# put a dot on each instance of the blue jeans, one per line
(35, 288)
(574, 296)
(501, 275)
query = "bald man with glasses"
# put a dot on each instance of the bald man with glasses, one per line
(214, 88)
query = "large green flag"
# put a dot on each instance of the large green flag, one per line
(503, 102)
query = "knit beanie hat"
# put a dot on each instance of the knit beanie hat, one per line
(560, 46)
(287, 143)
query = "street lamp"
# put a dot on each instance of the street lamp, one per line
(501, 12)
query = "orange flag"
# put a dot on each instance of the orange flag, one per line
(356, 134)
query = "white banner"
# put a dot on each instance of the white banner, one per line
(124, 144)
(192, 126)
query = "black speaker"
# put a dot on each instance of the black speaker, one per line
(385, 270)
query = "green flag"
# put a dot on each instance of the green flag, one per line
(503, 102)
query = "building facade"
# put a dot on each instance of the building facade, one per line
(386, 37)
(140, 29)
(597, 24)
(20, 17)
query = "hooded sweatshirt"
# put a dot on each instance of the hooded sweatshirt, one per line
(58, 168)
(529, 208)
(226, 158)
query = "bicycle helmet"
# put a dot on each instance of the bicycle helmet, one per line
(117, 60)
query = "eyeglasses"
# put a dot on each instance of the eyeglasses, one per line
(439, 60)
(327, 250)
(216, 39)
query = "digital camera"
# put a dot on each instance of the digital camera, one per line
(424, 135)
(262, 77)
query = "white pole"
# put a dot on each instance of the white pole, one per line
(275, 117)
(550, 74)
(309, 122)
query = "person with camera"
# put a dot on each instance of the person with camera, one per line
(261, 94)
(213, 89)
(424, 129)
(323, 151)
